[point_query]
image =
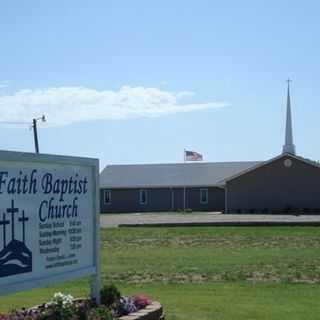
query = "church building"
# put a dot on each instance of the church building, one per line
(286, 183)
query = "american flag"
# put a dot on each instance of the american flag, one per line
(192, 156)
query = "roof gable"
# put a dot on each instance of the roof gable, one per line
(264, 163)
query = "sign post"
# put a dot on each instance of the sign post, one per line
(49, 221)
(96, 279)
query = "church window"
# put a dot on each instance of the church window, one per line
(143, 196)
(107, 196)
(203, 196)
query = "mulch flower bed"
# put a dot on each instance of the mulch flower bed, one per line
(113, 306)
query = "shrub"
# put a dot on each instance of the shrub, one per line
(110, 295)
(83, 308)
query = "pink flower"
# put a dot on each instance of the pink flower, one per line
(141, 301)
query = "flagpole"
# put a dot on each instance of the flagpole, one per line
(184, 188)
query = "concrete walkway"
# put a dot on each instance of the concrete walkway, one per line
(210, 218)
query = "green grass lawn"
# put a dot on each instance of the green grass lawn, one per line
(209, 272)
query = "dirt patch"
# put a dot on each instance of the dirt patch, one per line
(267, 273)
(218, 242)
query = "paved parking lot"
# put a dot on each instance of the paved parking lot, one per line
(208, 218)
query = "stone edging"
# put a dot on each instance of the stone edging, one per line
(154, 311)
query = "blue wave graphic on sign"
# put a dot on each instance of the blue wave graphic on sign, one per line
(15, 257)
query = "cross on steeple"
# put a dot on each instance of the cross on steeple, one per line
(23, 219)
(12, 210)
(4, 223)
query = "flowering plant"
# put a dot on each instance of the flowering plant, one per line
(24, 315)
(126, 306)
(65, 307)
(62, 306)
(141, 301)
(61, 300)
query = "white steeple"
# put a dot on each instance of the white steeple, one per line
(289, 147)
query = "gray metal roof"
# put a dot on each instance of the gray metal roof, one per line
(171, 175)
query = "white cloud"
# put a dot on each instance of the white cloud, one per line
(65, 105)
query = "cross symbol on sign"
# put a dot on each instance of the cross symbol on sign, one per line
(12, 210)
(23, 219)
(4, 223)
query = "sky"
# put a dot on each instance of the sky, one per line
(140, 81)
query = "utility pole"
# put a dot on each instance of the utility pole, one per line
(32, 126)
(35, 134)
(35, 131)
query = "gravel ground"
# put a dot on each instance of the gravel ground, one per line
(114, 220)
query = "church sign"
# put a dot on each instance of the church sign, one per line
(49, 220)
